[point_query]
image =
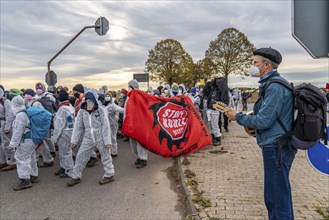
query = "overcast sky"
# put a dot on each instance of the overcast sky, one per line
(32, 32)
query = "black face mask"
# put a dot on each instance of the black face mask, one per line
(76, 95)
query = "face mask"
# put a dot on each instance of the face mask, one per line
(76, 95)
(90, 104)
(108, 99)
(28, 97)
(180, 91)
(39, 91)
(129, 89)
(254, 71)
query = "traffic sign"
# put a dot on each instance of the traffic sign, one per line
(318, 157)
(51, 78)
(102, 26)
(310, 26)
(141, 77)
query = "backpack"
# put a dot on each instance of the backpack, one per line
(40, 120)
(310, 124)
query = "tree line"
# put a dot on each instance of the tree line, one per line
(229, 53)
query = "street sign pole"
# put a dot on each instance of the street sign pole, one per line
(101, 27)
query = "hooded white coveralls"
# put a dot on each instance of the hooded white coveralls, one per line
(95, 130)
(6, 120)
(62, 135)
(25, 155)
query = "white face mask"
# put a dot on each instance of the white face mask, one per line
(90, 104)
(129, 89)
(180, 91)
(254, 71)
(107, 98)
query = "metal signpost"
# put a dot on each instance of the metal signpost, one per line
(101, 27)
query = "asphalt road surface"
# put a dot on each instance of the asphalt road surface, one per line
(148, 193)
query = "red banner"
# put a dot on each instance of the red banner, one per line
(169, 127)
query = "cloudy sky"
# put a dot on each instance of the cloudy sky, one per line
(33, 31)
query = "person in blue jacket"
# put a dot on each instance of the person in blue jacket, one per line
(276, 102)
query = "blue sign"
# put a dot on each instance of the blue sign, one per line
(318, 157)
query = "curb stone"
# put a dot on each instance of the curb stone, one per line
(190, 205)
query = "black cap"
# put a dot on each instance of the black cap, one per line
(29, 92)
(79, 88)
(270, 54)
(63, 96)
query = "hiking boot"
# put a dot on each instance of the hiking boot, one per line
(137, 161)
(226, 129)
(106, 180)
(58, 172)
(114, 155)
(63, 175)
(34, 179)
(217, 141)
(126, 138)
(141, 164)
(92, 161)
(9, 167)
(73, 182)
(47, 164)
(53, 154)
(2, 165)
(23, 184)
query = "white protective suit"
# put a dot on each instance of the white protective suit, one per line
(47, 140)
(44, 148)
(62, 134)
(94, 128)
(113, 115)
(6, 120)
(21, 141)
(136, 147)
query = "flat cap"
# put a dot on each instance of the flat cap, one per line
(270, 54)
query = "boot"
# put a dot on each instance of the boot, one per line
(63, 175)
(217, 141)
(141, 164)
(47, 164)
(73, 182)
(60, 171)
(9, 167)
(34, 179)
(23, 184)
(137, 161)
(92, 161)
(106, 180)
(2, 165)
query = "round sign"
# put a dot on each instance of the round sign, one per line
(318, 157)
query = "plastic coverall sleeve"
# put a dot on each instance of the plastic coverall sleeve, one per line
(9, 115)
(59, 124)
(118, 108)
(105, 127)
(78, 128)
(20, 124)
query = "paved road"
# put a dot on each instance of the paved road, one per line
(147, 193)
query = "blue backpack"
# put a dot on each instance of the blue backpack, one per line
(40, 120)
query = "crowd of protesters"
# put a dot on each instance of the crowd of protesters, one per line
(86, 124)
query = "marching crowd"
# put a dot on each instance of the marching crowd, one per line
(85, 126)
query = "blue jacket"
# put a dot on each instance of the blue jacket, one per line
(276, 103)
